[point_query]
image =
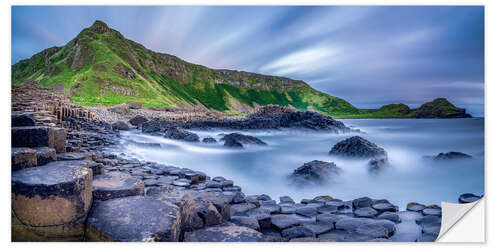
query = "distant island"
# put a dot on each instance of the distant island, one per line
(100, 67)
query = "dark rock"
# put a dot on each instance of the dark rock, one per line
(330, 218)
(246, 222)
(138, 120)
(282, 221)
(372, 230)
(387, 224)
(415, 207)
(365, 212)
(45, 155)
(34, 136)
(242, 208)
(230, 142)
(307, 211)
(120, 125)
(358, 147)
(297, 232)
(468, 198)
(428, 220)
(20, 119)
(23, 158)
(287, 208)
(48, 202)
(209, 140)
(362, 202)
(377, 164)
(263, 216)
(116, 185)
(452, 156)
(315, 172)
(385, 207)
(243, 139)
(328, 209)
(286, 199)
(133, 218)
(319, 227)
(224, 233)
(350, 224)
(178, 133)
(239, 197)
(394, 217)
(432, 211)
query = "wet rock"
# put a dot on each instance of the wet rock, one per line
(377, 164)
(385, 207)
(297, 232)
(31, 136)
(282, 221)
(116, 185)
(328, 209)
(167, 180)
(59, 143)
(334, 235)
(315, 172)
(307, 211)
(122, 109)
(242, 208)
(362, 202)
(468, 198)
(74, 156)
(239, 197)
(263, 216)
(233, 143)
(138, 120)
(415, 207)
(350, 224)
(120, 125)
(392, 216)
(20, 119)
(242, 139)
(209, 140)
(23, 158)
(286, 199)
(50, 195)
(432, 230)
(387, 224)
(432, 210)
(319, 227)
(207, 212)
(358, 147)
(452, 156)
(246, 222)
(428, 220)
(372, 230)
(178, 133)
(45, 155)
(427, 238)
(365, 212)
(227, 232)
(287, 208)
(133, 218)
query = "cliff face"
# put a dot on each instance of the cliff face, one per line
(100, 66)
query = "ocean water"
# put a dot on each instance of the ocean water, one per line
(407, 178)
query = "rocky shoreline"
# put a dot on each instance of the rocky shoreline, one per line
(66, 188)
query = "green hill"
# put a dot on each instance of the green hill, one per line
(100, 66)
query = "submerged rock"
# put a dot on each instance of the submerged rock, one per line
(178, 133)
(358, 147)
(468, 198)
(209, 140)
(237, 140)
(315, 172)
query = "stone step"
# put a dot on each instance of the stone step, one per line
(45, 155)
(116, 185)
(39, 136)
(23, 158)
(22, 119)
(49, 202)
(133, 219)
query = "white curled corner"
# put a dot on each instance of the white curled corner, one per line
(462, 222)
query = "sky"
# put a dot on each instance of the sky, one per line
(367, 55)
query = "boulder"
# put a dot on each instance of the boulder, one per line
(116, 185)
(319, 227)
(243, 139)
(415, 207)
(177, 133)
(365, 212)
(246, 221)
(358, 147)
(240, 209)
(468, 198)
(286, 199)
(330, 218)
(45, 155)
(49, 203)
(22, 119)
(135, 105)
(297, 232)
(122, 109)
(377, 164)
(315, 172)
(392, 216)
(209, 140)
(226, 232)
(283, 221)
(133, 219)
(233, 143)
(138, 120)
(120, 125)
(308, 211)
(23, 158)
(432, 211)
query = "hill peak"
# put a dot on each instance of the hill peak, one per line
(100, 27)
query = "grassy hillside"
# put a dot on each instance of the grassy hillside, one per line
(101, 67)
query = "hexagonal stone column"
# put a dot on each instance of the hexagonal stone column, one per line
(116, 185)
(49, 202)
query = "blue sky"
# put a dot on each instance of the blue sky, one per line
(368, 55)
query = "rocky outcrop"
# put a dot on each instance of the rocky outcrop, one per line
(450, 156)
(318, 172)
(358, 147)
(237, 140)
(122, 109)
(120, 125)
(209, 140)
(178, 133)
(138, 120)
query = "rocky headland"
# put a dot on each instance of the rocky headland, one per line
(65, 187)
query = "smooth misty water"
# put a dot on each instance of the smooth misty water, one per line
(263, 169)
